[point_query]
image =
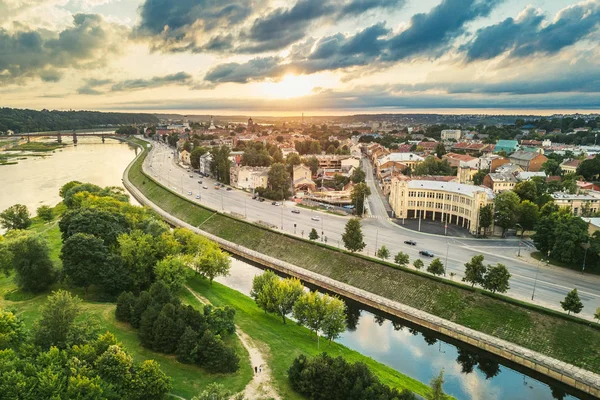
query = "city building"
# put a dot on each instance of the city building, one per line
(527, 160)
(453, 134)
(579, 204)
(302, 179)
(184, 156)
(330, 161)
(249, 178)
(447, 202)
(461, 160)
(569, 166)
(205, 161)
(508, 146)
(500, 182)
(491, 162)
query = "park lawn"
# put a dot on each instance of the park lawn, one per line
(530, 326)
(287, 341)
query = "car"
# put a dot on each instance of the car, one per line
(295, 211)
(204, 187)
(276, 203)
(228, 189)
(410, 242)
(191, 176)
(426, 253)
(315, 218)
(200, 182)
(190, 193)
(261, 199)
(197, 196)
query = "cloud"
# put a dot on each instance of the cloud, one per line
(27, 54)
(180, 78)
(256, 69)
(530, 33)
(91, 85)
(358, 7)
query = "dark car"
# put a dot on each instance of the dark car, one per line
(261, 199)
(200, 182)
(296, 211)
(229, 188)
(426, 253)
(410, 242)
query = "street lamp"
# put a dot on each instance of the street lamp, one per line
(537, 271)
(586, 246)
(447, 250)
(520, 226)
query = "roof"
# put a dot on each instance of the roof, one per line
(507, 143)
(525, 176)
(592, 221)
(460, 157)
(567, 196)
(438, 178)
(400, 157)
(452, 187)
(574, 163)
(524, 155)
(502, 177)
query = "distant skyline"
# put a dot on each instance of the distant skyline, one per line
(280, 57)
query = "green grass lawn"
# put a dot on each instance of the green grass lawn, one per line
(286, 342)
(37, 146)
(542, 330)
(590, 269)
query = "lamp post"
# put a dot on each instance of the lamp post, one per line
(586, 246)
(537, 271)
(447, 250)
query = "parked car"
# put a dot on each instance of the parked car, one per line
(295, 211)
(204, 187)
(228, 189)
(426, 253)
(197, 196)
(276, 203)
(315, 218)
(410, 242)
(191, 176)
(200, 182)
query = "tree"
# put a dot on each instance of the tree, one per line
(149, 381)
(57, 320)
(352, 236)
(475, 271)
(285, 294)
(15, 217)
(214, 391)
(139, 255)
(433, 166)
(313, 235)
(485, 217)
(496, 279)
(220, 165)
(437, 391)
(30, 257)
(401, 259)
(506, 205)
(418, 263)
(83, 256)
(334, 320)
(259, 283)
(215, 356)
(309, 310)
(358, 175)
(313, 164)
(211, 263)
(440, 150)
(279, 182)
(115, 366)
(597, 314)
(526, 190)
(480, 176)
(195, 156)
(436, 267)
(172, 271)
(125, 304)
(45, 213)
(528, 216)
(383, 253)
(106, 225)
(187, 348)
(12, 330)
(572, 303)
(552, 168)
(358, 196)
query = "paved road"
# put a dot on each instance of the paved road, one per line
(552, 283)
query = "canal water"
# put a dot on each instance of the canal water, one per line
(421, 354)
(35, 181)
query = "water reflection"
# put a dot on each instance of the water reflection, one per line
(421, 354)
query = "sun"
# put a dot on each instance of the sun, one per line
(289, 86)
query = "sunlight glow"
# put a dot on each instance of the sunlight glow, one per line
(288, 87)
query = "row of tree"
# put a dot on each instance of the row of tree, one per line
(320, 313)
(167, 326)
(63, 357)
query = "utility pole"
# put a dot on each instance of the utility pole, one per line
(377, 240)
(447, 250)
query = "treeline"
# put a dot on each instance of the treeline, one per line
(22, 121)
(167, 326)
(63, 357)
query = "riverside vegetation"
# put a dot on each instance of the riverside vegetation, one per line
(101, 248)
(568, 339)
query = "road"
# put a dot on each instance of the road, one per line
(551, 283)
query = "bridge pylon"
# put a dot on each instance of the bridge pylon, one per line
(58, 137)
(74, 137)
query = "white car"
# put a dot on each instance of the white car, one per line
(204, 187)
(190, 193)
(315, 218)
(197, 196)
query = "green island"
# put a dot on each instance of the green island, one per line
(265, 330)
(38, 146)
(566, 338)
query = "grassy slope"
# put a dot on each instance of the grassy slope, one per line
(188, 380)
(286, 342)
(567, 339)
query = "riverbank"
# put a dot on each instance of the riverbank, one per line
(568, 339)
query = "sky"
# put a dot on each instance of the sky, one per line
(280, 57)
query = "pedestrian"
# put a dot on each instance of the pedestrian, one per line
(255, 369)
(260, 369)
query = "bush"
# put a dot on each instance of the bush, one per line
(45, 213)
(125, 304)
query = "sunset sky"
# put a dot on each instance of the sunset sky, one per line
(317, 56)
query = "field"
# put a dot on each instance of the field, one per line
(555, 334)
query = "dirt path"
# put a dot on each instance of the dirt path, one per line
(260, 387)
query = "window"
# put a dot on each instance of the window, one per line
(440, 196)
(455, 208)
(575, 211)
(448, 197)
(430, 195)
(439, 206)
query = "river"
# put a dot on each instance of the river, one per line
(391, 341)
(35, 181)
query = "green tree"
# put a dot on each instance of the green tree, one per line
(360, 192)
(106, 225)
(437, 391)
(401, 259)
(12, 330)
(480, 176)
(433, 166)
(313, 164)
(285, 294)
(334, 320)
(187, 348)
(418, 263)
(353, 236)
(195, 155)
(57, 320)
(358, 176)
(552, 168)
(15, 217)
(436, 267)
(383, 253)
(440, 150)
(506, 205)
(214, 391)
(83, 256)
(528, 216)
(81, 387)
(215, 356)
(29, 256)
(64, 189)
(496, 279)
(475, 271)
(125, 304)
(115, 366)
(526, 190)
(309, 310)
(139, 255)
(570, 232)
(45, 213)
(486, 218)
(149, 381)
(259, 285)
(313, 235)
(279, 182)
(172, 271)
(597, 314)
(572, 303)
(589, 169)
(212, 262)
(220, 165)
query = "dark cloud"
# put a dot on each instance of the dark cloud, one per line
(358, 7)
(256, 69)
(180, 78)
(531, 33)
(91, 86)
(31, 54)
(435, 30)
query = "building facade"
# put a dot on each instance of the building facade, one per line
(500, 181)
(249, 178)
(448, 134)
(528, 161)
(446, 202)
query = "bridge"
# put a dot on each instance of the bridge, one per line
(59, 135)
